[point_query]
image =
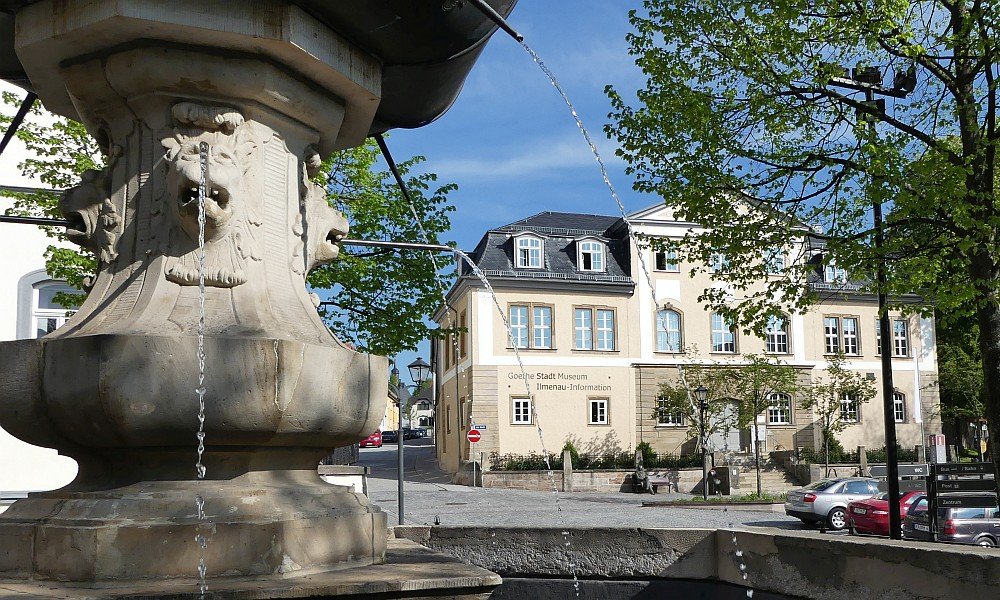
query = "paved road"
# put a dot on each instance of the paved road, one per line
(430, 499)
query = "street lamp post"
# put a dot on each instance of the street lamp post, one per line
(419, 372)
(869, 81)
(701, 394)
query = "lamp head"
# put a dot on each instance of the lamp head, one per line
(420, 371)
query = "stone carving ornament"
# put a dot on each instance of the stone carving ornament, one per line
(94, 222)
(231, 221)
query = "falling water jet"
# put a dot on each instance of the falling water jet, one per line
(200, 469)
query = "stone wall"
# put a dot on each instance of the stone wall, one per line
(608, 481)
(798, 564)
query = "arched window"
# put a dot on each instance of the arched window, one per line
(46, 314)
(528, 252)
(668, 330)
(776, 335)
(591, 255)
(780, 410)
(899, 407)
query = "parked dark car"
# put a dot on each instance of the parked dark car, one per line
(410, 434)
(390, 437)
(978, 526)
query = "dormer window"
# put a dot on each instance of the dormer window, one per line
(590, 256)
(835, 274)
(528, 252)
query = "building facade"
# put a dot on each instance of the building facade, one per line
(597, 338)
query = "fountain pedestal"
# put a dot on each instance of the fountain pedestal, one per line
(262, 91)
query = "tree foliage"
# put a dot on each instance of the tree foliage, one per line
(738, 123)
(754, 387)
(377, 300)
(827, 396)
(678, 398)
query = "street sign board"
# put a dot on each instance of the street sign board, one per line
(474, 436)
(965, 469)
(967, 485)
(904, 470)
(479, 427)
(905, 485)
(967, 501)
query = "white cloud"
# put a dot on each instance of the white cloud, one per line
(538, 158)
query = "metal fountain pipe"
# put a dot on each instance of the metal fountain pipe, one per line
(15, 123)
(497, 18)
(397, 245)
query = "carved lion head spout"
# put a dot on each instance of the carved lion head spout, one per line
(218, 137)
(94, 222)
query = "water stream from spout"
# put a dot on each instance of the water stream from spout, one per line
(200, 470)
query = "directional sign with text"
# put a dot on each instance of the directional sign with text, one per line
(479, 427)
(967, 485)
(965, 469)
(904, 470)
(967, 501)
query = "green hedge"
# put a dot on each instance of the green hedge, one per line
(588, 462)
(839, 455)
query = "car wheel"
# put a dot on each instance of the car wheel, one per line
(837, 519)
(986, 542)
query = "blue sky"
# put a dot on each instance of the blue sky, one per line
(510, 143)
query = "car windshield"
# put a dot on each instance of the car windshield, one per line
(824, 484)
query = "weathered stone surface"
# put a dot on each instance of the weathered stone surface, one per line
(258, 93)
(410, 571)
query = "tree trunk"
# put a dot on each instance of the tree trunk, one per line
(986, 271)
(756, 451)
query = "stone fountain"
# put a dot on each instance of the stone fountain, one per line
(271, 87)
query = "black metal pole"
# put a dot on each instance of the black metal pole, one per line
(497, 18)
(15, 124)
(399, 450)
(892, 460)
(704, 453)
(33, 221)
(397, 245)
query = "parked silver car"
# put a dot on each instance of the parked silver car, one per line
(827, 500)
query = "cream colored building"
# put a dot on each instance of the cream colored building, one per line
(596, 342)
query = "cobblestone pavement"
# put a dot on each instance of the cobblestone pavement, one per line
(430, 498)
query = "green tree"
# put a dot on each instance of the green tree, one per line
(827, 398)
(378, 300)
(738, 123)
(755, 386)
(678, 399)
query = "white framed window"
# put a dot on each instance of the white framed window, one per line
(529, 252)
(519, 325)
(718, 262)
(831, 335)
(840, 334)
(594, 329)
(605, 329)
(780, 410)
(774, 261)
(534, 332)
(849, 409)
(776, 335)
(583, 329)
(723, 334)
(834, 274)
(666, 417)
(591, 256)
(850, 331)
(900, 338)
(520, 411)
(668, 330)
(667, 260)
(598, 413)
(899, 407)
(541, 326)
(46, 314)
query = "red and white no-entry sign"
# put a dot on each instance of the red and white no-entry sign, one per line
(474, 436)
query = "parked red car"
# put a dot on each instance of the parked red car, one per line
(871, 515)
(372, 441)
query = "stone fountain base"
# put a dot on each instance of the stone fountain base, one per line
(410, 571)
